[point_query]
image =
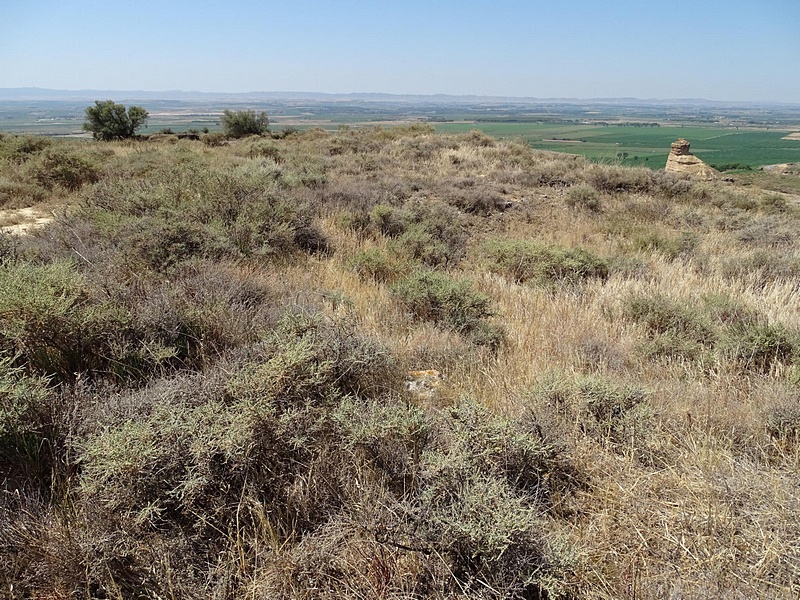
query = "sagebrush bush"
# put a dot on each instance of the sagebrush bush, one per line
(761, 267)
(434, 236)
(378, 264)
(18, 149)
(64, 168)
(583, 196)
(762, 346)
(15, 194)
(674, 328)
(614, 179)
(661, 315)
(524, 260)
(20, 397)
(451, 303)
(203, 214)
(671, 246)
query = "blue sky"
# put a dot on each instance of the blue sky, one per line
(719, 50)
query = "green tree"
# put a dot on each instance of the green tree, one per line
(108, 120)
(240, 123)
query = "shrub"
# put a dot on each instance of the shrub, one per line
(673, 328)
(434, 235)
(660, 314)
(206, 213)
(260, 148)
(671, 246)
(59, 167)
(18, 149)
(20, 398)
(214, 139)
(729, 312)
(761, 347)
(51, 318)
(583, 196)
(608, 402)
(389, 221)
(18, 195)
(110, 121)
(523, 261)
(261, 424)
(241, 123)
(783, 422)
(448, 302)
(612, 179)
(761, 267)
(378, 264)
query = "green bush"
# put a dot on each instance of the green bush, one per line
(241, 123)
(761, 347)
(583, 196)
(20, 398)
(19, 149)
(203, 213)
(674, 329)
(612, 179)
(108, 120)
(434, 236)
(378, 265)
(214, 139)
(761, 267)
(260, 148)
(389, 221)
(671, 246)
(15, 194)
(62, 325)
(451, 303)
(262, 425)
(528, 261)
(56, 166)
(660, 314)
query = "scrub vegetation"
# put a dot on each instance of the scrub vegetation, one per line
(202, 364)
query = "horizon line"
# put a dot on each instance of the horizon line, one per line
(300, 94)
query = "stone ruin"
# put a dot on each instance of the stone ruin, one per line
(680, 160)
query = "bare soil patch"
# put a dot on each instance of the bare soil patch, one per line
(20, 221)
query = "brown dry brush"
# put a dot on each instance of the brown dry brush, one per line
(202, 360)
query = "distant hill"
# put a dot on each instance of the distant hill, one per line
(38, 94)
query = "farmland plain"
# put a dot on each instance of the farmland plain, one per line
(646, 146)
(625, 131)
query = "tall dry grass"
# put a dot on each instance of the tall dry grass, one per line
(633, 433)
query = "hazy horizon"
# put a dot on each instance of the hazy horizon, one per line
(729, 51)
(87, 94)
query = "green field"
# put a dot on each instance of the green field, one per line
(646, 146)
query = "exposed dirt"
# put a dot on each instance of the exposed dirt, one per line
(20, 221)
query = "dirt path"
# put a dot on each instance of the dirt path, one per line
(20, 221)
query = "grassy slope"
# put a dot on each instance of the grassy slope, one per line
(224, 332)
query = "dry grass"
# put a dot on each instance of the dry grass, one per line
(675, 465)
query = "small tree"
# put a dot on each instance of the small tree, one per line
(240, 123)
(110, 121)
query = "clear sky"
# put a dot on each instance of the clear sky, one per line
(713, 49)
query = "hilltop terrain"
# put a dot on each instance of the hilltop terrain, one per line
(204, 362)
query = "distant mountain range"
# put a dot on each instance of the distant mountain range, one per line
(43, 94)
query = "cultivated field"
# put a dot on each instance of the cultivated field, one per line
(647, 146)
(204, 363)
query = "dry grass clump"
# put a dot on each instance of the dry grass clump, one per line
(202, 371)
